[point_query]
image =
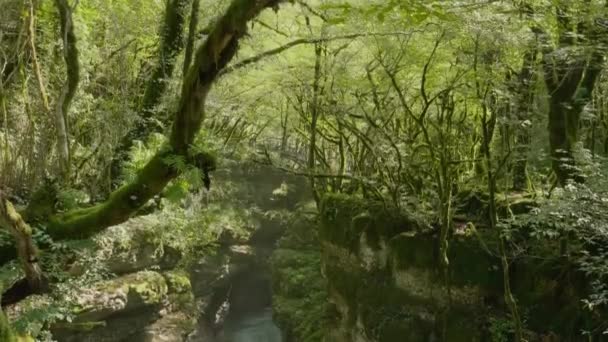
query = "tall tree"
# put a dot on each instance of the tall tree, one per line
(70, 55)
(571, 69)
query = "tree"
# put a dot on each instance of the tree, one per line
(171, 44)
(571, 69)
(214, 55)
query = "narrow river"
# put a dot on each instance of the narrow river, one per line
(247, 295)
(249, 316)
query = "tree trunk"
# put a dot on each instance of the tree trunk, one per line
(314, 112)
(570, 85)
(70, 55)
(192, 31)
(26, 249)
(171, 45)
(524, 110)
(215, 53)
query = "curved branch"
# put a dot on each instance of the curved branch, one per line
(215, 53)
(247, 61)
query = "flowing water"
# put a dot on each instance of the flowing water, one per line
(249, 317)
(253, 327)
(249, 309)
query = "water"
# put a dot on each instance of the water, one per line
(248, 300)
(253, 327)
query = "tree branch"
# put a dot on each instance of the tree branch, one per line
(215, 53)
(247, 61)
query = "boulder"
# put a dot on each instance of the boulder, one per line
(115, 309)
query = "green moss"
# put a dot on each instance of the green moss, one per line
(178, 281)
(413, 250)
(345, 218)
(300, 299)
(6, 332)
(80, 326)
(180, 293)
(150, 287)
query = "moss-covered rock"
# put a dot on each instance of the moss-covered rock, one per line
(345, 218)
(115, 309)
(386, 284)
(180, 295)
(300, 299)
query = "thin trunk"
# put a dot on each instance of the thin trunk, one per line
(524, 110)
(314, 112)
(508, 295)
(35, 63)
(70, 55)
(196, 4)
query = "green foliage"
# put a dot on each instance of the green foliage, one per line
(501, 329)
(571, 224)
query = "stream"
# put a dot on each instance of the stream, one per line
(249, 317)
(243, 308)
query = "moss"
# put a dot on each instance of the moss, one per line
(179, 292)
(300, 295)
(42, 203)
(149, 287)
(345, 218)
(413, 250)
(178, 281)
(80, 326)
(6, 332)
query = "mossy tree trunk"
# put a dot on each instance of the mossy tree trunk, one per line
(192, 32)
(570, 79)
(70, 55)
(171, 45)
(26, 248)
(524, 109)
(215, 53)
(314, 113)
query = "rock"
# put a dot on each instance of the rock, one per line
(131, 247)
(173, 327)
(115, 309)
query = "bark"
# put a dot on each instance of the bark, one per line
(70, 55)
(570, 84)
(196, 4)
(314, 112)
(492, 212)
(171, 45)
(524, 105)
(26, 249)
(215, 53)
